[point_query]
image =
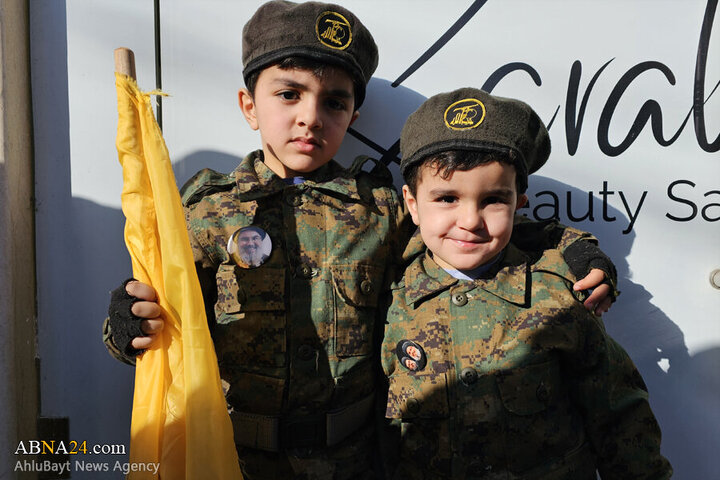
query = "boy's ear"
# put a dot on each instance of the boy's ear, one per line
(411, 204)
(355, 115)
(521, 201)
(247, 105)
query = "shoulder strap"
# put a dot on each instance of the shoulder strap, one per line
(203, 183)
(379, 170)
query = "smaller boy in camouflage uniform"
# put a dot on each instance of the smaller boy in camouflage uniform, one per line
(495, 369)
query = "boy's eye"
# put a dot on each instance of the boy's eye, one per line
(335, 104)
(288, 95)
(495, 200)
(446, 199)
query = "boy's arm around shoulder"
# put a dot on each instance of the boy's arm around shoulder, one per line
(380, 181)
(587, 262)
(613, 398)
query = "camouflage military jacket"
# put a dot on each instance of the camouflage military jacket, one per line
(514, 379)
(294, 335)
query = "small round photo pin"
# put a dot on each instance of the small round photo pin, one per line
(411, 355)
(249, 247)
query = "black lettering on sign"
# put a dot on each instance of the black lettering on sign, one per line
(650, 112)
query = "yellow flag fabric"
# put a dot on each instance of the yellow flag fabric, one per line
(179, 416)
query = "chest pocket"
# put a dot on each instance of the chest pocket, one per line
(420, 404)
(529, 390)
(357, 289)
(417, 396)
(250, 317)
(538, 412)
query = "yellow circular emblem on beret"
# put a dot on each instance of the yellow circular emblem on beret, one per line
(465, 114)
(333, 30)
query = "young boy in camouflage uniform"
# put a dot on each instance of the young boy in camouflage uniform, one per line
(294, 336)
(495, 368)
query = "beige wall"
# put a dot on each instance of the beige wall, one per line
(18, 376)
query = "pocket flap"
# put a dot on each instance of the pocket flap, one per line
(529, 390)
(259, 289)
(417, 396)
(358, 285)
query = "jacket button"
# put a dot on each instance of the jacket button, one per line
(294, 200)
(305, 352)
(468, 375)
(413, 405)
(459, 299)
(304, 271)
(366, 287)
(542, 393)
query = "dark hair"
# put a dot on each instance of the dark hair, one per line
(318, 68)
(449, 161)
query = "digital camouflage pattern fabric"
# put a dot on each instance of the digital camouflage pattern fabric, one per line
(520, 382)
(294, 337)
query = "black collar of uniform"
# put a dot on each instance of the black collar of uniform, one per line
(509, 279)
(256, 180)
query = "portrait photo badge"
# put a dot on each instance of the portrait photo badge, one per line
(464, 114)
(249, 247)
(411, 355)
(333, 30)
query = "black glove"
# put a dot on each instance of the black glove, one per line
(124, 325)
(582, 256)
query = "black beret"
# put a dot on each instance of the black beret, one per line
(471, 119)
(257, 230)
(319, 31)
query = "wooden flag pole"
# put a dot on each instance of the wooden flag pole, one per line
(125, 62)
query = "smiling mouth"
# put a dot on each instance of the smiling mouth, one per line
(467, 243)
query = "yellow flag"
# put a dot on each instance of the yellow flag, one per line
(179, 416)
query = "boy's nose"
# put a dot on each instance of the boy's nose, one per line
(470, 218)
(309, 115)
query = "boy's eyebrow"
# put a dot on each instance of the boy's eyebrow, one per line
(507, 192)
(497, 192)
(340, 93)
(441, 192)
(286, 82)
(337, 92)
